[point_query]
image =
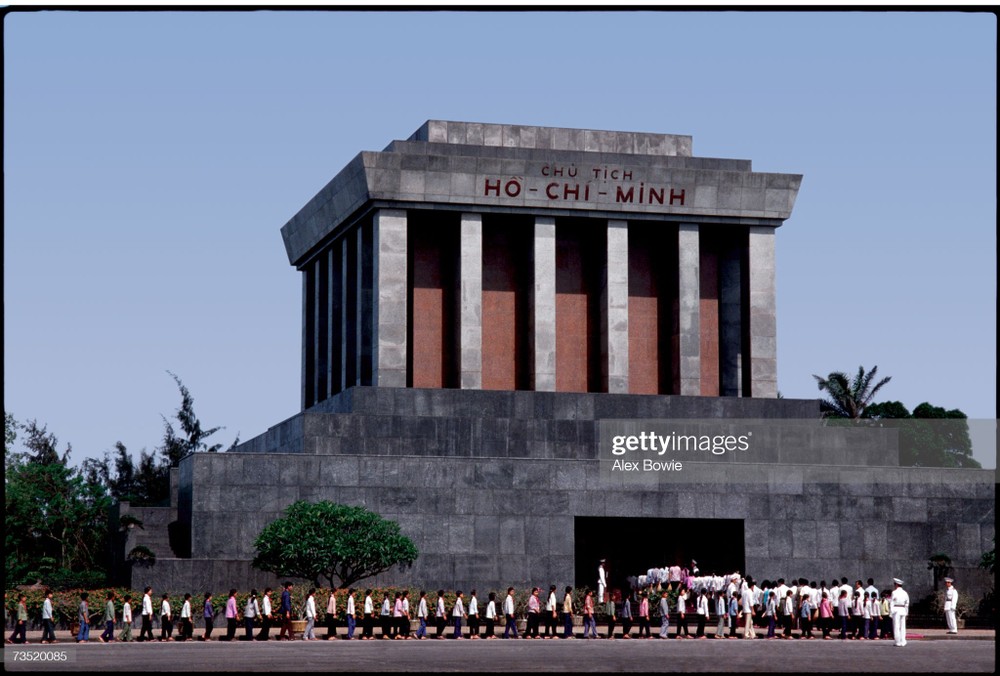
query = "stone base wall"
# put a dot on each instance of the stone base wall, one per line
(486, 511)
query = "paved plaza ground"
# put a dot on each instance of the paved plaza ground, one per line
(927, 650)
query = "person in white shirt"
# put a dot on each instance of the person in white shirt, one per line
(48, 620)
(844, 586)
(126, 633)
(602, 581)
(422, 616)
(405, 622)
(266, 616)
(950, 605)
(722, 611)
(146, 632)
(682, 621)
(473, 615)
(899, 604)
(457, 613)
(187, 626)
(787, 612)
(701, 607)
(491, 615)
(510, 630)
(746, 601)
(385, 617)
(166, 620)
(771, 611)
(352, 620)
(368, 634)
(551, 613)
(440, 616)
(309, 634)
(251, 615)
(876, 617)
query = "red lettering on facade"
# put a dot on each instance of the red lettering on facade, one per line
(512, 188)
(622, 196)
(656, 195)
(489, 187)
(676, 196)
(573, 190)
(548, 191)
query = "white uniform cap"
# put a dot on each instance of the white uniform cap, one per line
(897, 581)
(948, 579)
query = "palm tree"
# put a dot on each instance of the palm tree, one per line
(848, 398)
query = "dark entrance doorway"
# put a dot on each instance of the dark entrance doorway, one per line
(632, 545)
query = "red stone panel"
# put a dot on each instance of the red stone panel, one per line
(433, 246)
(643, 322)
(578, 317)
(709, 315)
(652, 293)
(506, 286)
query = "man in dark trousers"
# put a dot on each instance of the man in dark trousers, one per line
(285, 610)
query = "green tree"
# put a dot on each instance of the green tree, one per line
(327, 540)
(147, 481)
(846, 397)
(9, 433)
(931, 436)
(175, 446)
(55, 520)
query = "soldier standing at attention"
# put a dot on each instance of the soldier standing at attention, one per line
(602, 581)
(950, 605)
(899, 604)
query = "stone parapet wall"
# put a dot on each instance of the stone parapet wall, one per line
(512, 520)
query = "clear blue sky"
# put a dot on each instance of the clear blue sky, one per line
(151, 158)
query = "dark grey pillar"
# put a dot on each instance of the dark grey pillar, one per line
(689, 308)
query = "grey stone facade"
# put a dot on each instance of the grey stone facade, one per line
(488, 485)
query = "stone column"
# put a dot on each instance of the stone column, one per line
(319, 358)
(543, 306)
(333, 345)
(306, 338)
(470, 333)
(763, 322)
(346, 283)
(389, 298)
(688, 302)
(361, 253)
(614, 338)
(731, 320)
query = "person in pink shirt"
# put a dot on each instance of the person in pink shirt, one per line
(826, 615)
(231, 616)
(589, 623)
(397, 616)
(644, 616)
(534, 606)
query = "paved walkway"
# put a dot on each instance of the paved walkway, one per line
(970, 651)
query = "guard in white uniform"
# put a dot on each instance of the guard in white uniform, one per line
(899, 607)
(950, 605)
(602, 581)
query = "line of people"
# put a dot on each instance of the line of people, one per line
(859, 613)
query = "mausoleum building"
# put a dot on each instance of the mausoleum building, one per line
(480, 300)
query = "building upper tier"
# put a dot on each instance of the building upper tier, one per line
(468, 166)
